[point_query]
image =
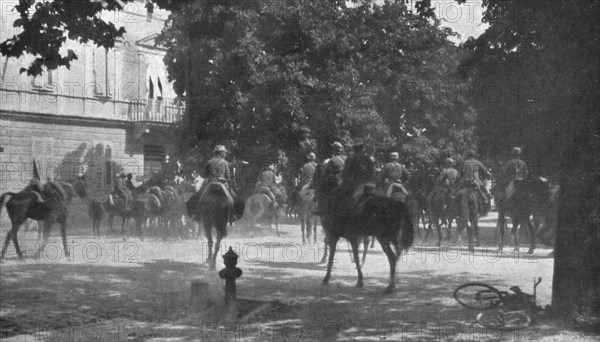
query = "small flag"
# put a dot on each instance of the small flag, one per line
(36, 174)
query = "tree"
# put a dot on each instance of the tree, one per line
(538, 62)
(47, 25)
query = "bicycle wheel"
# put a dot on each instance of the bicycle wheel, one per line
(498, 320)
(478, 296)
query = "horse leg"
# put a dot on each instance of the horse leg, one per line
(63, 233)
(302, 227)
(500, 229)
(324, 258)
(111, 216)
(531, 233)
(276, 225)
(392, 259)
(313, 218)
(332, 242)
(366, 248)
(515, 232)
(354, 244)
(208, 235)
(220, 235)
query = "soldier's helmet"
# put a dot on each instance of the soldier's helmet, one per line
(311, 156)
(471, 153)
(516, 151)
(449, 161)
(337, 146)
(394, 156)
(220, 148)
(122, 174)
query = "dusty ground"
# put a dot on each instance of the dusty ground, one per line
(113, 289)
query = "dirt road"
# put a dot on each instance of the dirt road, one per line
(112, 289)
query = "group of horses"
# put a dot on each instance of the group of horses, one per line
(533, 204)
(392, 221)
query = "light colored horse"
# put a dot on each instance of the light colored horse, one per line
(259, 206)
(306, 207)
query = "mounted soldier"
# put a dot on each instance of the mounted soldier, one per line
(514, 171)
(120, 190)
(308, 171)
(267, 184)
(393, 175)
(470, 177)
(328, 176)
(446, 182)
(358, 170)
(217, 173)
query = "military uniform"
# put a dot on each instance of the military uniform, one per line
(268, 181)
(470, 176)
(120, 189)
(393, 172)
(217, 172)
(308, 172)
(515, 170)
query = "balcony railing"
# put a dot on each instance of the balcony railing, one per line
(153, 110)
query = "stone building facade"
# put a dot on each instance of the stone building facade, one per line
(112, 111)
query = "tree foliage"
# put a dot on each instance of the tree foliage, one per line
(539, 63)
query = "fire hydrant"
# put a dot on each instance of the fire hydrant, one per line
(230, 273)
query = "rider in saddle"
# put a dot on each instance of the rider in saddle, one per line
(470, 177)
(515, 170)
(217, 172)
(393, 173)
(308, 171)
(328, 177)
(267, 183)
(129, 183)
(120, 190)
(359, 169)
(446, 182)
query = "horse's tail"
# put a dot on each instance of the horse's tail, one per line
(4, 199)
(408, 228)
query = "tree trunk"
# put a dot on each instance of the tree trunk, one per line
(576, 284)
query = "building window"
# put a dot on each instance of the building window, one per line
(44, 81)
(150, 88)
(100, 72)
(154, 159)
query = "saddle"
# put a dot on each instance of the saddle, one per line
(38, 209)
(397, 191)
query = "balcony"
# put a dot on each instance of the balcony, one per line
(154, 110)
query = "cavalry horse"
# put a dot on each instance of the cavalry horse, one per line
(214, 213)
(306, 206)
(468, 214)
(47, 203)
(143, 206)
(443, 210)
(260, 206)
(519, 207)
(387, 219)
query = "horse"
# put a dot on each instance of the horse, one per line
(519, 207)
(306, 207)
(46, 203)
(468, 214)
(442, 211)
(260, 205)
(214, 213)
(382, 217)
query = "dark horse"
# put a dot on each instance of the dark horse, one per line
(214, 213)
(387, 219)
(468, 214)
(443, 211)
(46, 203)
(519, 207)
